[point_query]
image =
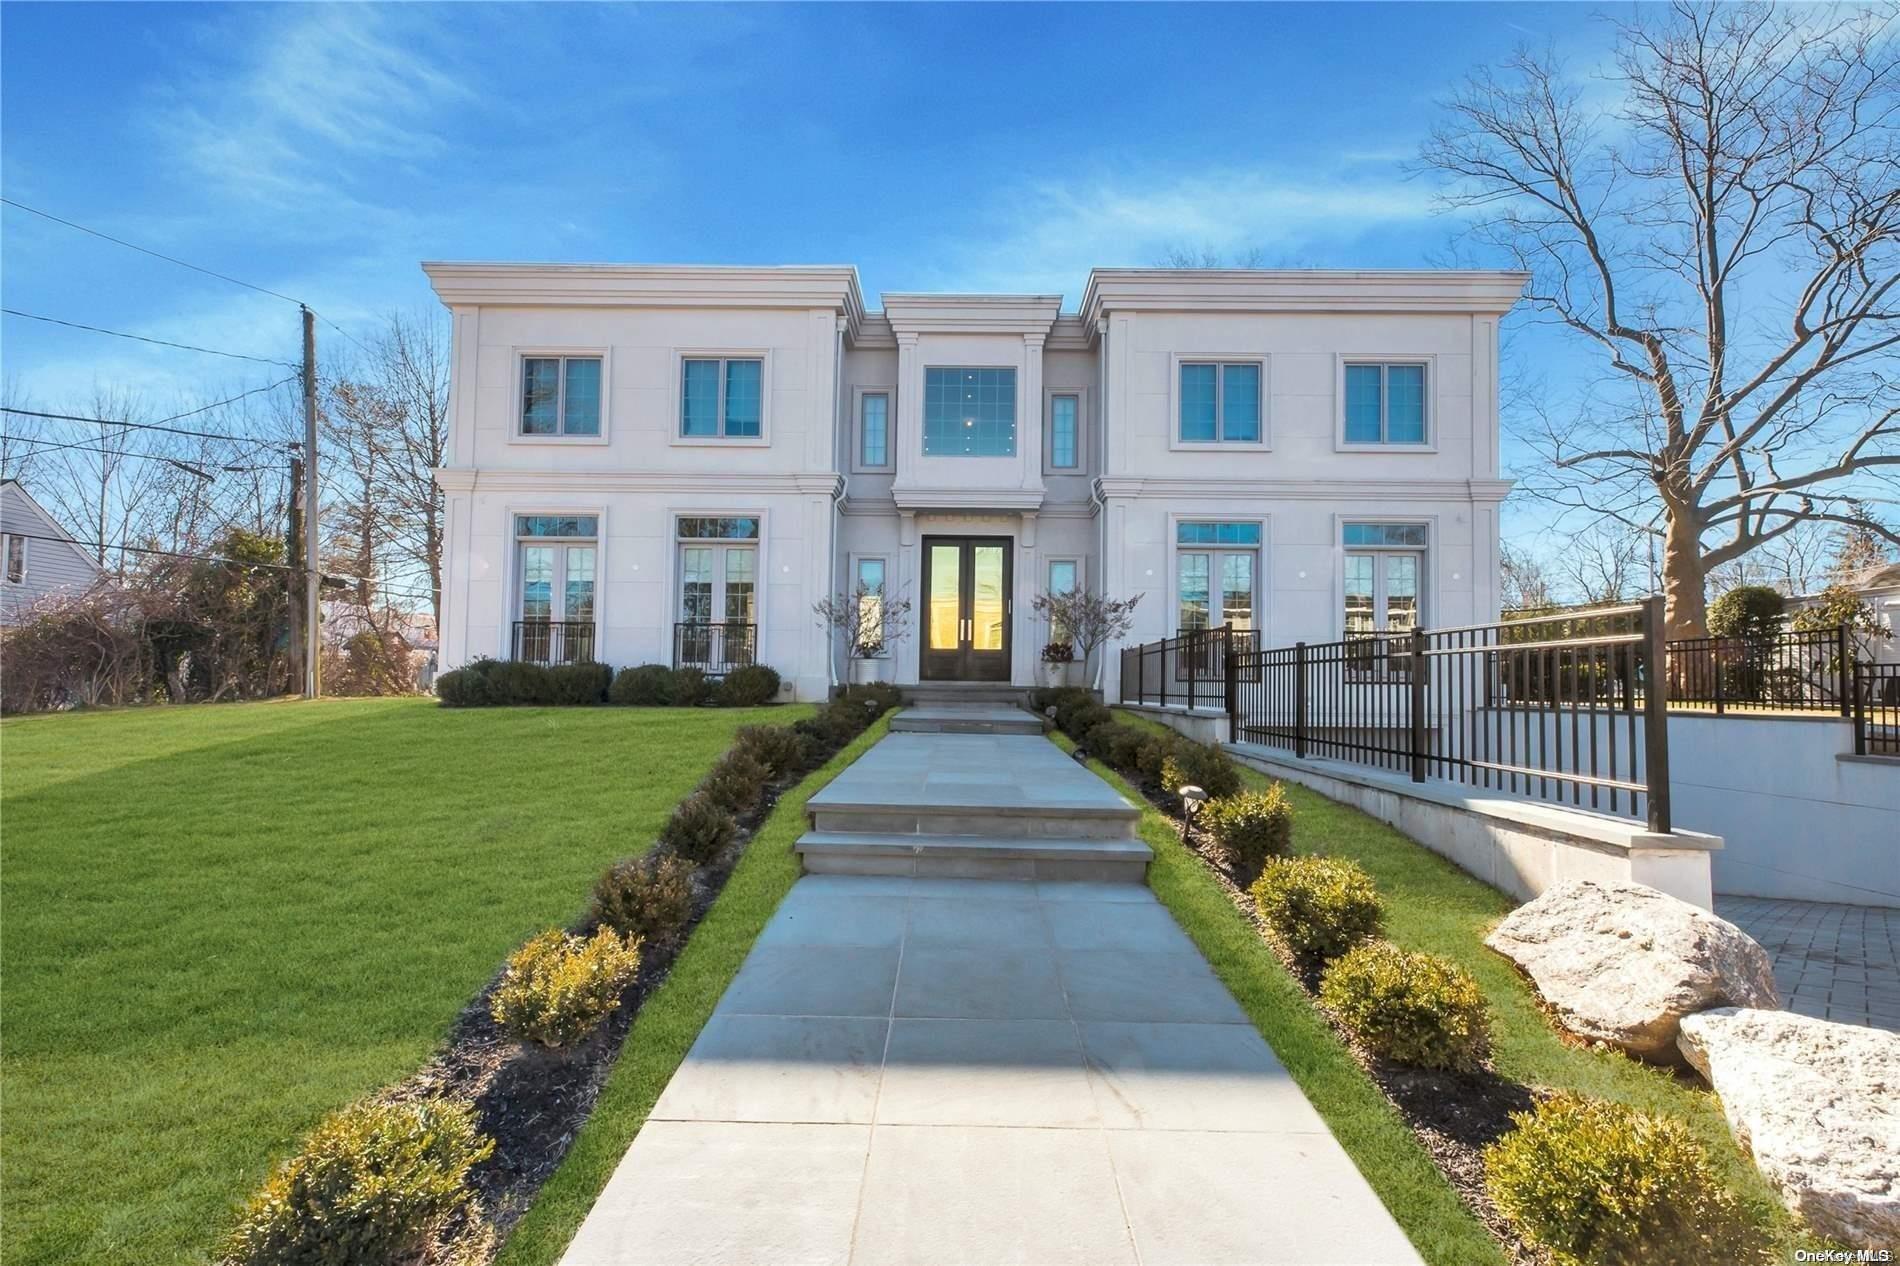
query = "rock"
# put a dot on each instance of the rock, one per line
(1621, 963)
(1818, 1105)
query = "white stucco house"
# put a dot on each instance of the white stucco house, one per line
(672, 464)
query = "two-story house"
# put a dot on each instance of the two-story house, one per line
(672, 464)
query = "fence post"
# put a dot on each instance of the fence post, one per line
(1715, 653)
(1230, 673)
(1195, 647)
(1844, 679)
(1418, 705)
(1860, 713)
(1656, 716)
(1299, 699)
(1162, 648)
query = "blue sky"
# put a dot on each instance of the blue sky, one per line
(323, 150)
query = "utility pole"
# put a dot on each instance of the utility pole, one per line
(313, 579)
(293, 551)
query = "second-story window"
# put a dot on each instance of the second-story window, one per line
(1065, 447)
(722, 398)
(1385, 404)
(874, 430)
(1220, 402)
(969, 413)
(560, 395)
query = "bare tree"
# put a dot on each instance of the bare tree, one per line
(1607, 563)
(1755, 156)
(1181, 256)
(1524, 582)
(102, 487)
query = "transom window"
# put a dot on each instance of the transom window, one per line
(874, 429)
(1385, 563)
(722, 398)
(742, 528)
(1385, 404)
(1220, 402)
(1065, 432)
(970, 412)
(1215, 567)
(560, 395)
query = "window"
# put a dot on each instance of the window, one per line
(1064, 575)
(874, 430)
(870, 591)
(555, 558)
(970, 412)
(710, 529)
(722, 398)
(1385, 404)
(560, 395)
(718, 592)
(1220, 402)
(1215, 566)
(1384, 567)
(16, 559)
(1064, 437)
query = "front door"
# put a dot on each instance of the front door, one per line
(967, 613)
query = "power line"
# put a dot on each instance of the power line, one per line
(143, 250)
(187, 347)
(149, 426)
(48, 446)
(172, 553)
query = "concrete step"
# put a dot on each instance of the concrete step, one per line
(1068, 822)
(980, 692)
(974, 857)
(965, 718)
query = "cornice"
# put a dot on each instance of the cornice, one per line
(971, 314)
(1299, 290)
(872, 507)
(469, 479)
(1307, 489)
(649, 286)
(1018, 499)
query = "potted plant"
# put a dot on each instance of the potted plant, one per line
(1090, 621)
(870, 623)
(1057, 658)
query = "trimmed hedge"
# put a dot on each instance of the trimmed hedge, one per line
(558, 988)
(644, 687)
(1413, 1008)
(1247, 828)
(747, 687)
(648, 897)
(1597, 1183)
(699, 829)
(1190, 764)
(490, 683)
(1317, 907)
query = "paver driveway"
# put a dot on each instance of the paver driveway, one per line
(959, 1071)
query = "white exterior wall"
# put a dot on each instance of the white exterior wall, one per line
(820, 510)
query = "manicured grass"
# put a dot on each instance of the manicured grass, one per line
(671, 1019)
(1432, 905)
(222, 922)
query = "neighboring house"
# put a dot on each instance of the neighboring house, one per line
(1879, 588)
(38, 557)
(672, 464)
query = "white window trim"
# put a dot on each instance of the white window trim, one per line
(7, 543)
(675, 397)
(1175, 442)
(1082, 430)
(511, 596)
(890, 578)
(858, 466)
(673, 568)
(1428, 570)
(522, 355)
(923, 422)
(1262, 560)
(1341, 445)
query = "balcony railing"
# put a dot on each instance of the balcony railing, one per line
(715, 649)
(553, 642)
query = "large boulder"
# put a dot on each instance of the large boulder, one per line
(1622, 964)
(1818, 1104)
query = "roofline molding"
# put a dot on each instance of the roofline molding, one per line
(1299, 290)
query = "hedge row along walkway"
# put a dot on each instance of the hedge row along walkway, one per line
(944, 1070)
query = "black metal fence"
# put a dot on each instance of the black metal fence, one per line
(715, 649)
(1876, 709)
(553, 641)
(1784, 671)
(1187, 670)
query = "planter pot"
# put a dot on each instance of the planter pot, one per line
(1055, 673)
(866, 671)
(1075, 673)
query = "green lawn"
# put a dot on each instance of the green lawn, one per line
(221, 922)
(1433, 905)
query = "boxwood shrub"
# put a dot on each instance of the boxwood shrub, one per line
(648, 898)
(1414, 1008)
(747, 687)
(578, 684)
(699, 829)
(1317, 907)
(370, 1184)
(558, 988)
(1202, 765)
(1596, 1183)
(647, 686)
(736, 782)
(1248, 827)
(776, 747)
(688, 688)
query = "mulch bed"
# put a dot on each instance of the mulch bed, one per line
(532, 1102)
(1453, 1115)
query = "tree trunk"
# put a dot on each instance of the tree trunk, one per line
(1684, 577)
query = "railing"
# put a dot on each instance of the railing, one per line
(1877, 709)
(1785, 671)
(1189, 670)
(1556, 708)
(553, 641)
(714, 649)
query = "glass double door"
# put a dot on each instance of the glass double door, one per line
(967, 608)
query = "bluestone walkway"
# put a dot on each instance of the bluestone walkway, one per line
(1833, 962)
(943, 1070)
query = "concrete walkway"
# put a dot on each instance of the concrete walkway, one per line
(1833, 962)
(972, 1071)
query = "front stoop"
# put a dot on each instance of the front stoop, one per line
(994, 804)
(965, 718)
